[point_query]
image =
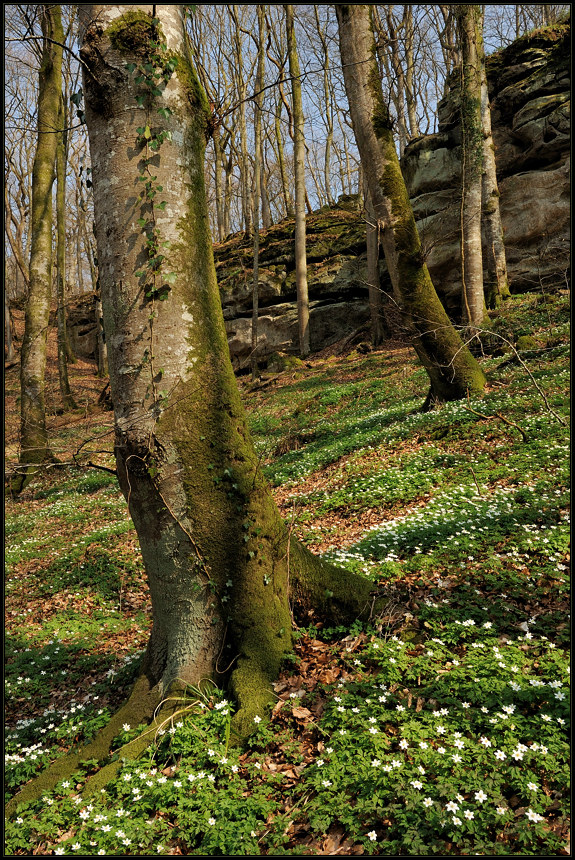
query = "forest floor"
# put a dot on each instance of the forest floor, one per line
(440, 727)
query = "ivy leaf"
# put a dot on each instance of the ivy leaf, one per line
(130, 67)
(147, 132)
(162, 206)
(171, 277)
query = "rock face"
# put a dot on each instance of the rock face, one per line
(530, 105)
(336, 258)
(530, 110)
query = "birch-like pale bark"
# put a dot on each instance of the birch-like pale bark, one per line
(300, 191)
(33, 434)
(452, 370)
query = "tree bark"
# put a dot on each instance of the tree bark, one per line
(473, 301)
(219, 559)
(258, 103)
(8, 341)
(374, 287)
(300, 191)
(242, 93)
(33, 435)
(452, 370)
(496, 285)
(64, 348)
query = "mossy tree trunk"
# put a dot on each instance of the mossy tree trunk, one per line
(244, 162)
(64, 348)
(373, 282)
(33, 435)
(300, 192)
(472, 296)
(452, 370)
(257, 194)
(219, 559)
(496, 285)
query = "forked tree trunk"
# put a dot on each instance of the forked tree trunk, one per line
(452, 370)
(33, 435)
(472, 297)
(300, 191)
(219, 558)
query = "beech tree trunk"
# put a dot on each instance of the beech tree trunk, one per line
(374, 287)
(473, 301)
(258, 103)
(219, 559)
(33, 436)
(452, 370)
(300, 192)
(496, 285)
(64, 348)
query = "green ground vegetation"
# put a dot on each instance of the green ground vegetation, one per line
(439, 727)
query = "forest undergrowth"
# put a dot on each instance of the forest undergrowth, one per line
(440, 727)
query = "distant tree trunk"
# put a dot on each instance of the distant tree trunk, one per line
(258, 104)
(410, 71)
(328, 109)
(473, 300)
(374, 287)
(244, 159)
(266, 208)
(8, 342)
(33, 436)
(496, 286)
(300, 191)
(64, 349)
(218, 184)
(452, 370)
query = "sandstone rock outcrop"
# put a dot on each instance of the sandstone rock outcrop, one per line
(529, 86)
(529, 90)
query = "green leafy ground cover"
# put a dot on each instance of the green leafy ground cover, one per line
(440, 727)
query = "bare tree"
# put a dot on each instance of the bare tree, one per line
(33, 435)
(300, 204)
(452, 370)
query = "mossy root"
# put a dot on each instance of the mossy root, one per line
(141, 707)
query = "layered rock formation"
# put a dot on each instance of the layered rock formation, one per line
(529, 90)
(529, 85)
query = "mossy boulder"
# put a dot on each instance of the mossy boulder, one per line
(526, 342)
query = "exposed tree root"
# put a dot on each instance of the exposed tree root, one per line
(141, 707)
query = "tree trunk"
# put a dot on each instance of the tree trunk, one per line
(452, 369)
(244, 158)
(63, 346)
(33, 436)
(8, 342)
(374, 287)
(300, 191)
(218, 184)
(328, 109)
(218, 557)
(410, 71)
(258, 104)
(496, 286)
(473, 301)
